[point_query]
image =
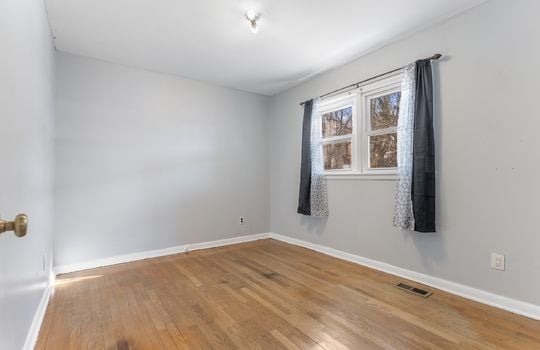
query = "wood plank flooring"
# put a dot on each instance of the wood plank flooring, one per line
(265, 295)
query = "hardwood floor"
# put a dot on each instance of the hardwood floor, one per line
(265, 295)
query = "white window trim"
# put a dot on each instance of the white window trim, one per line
(358, 99)
(359, 176)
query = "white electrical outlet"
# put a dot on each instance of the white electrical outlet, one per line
(242, 220)
(497, 261)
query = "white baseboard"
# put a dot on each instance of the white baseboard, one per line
(33, 332)
(228, 241)
(481, 296)
(120, 259)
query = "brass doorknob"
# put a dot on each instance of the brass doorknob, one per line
(19, 225)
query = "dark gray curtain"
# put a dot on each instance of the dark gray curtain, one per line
(304, 197)
(423, 176)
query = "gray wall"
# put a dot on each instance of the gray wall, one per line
(26, 156)
(488, 157)
(148, 161)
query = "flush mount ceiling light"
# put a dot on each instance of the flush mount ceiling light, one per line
(253, 16)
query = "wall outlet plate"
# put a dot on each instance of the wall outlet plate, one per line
(497, 261)
(242, 220)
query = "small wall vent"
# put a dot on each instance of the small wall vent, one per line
(413, 290)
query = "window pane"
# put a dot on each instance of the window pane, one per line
(337, 156)
(337, 123)
(384, 111)
(383, 151)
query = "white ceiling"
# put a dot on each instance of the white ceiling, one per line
(210, 40)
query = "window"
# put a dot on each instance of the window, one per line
(359, 131)
(337, 137)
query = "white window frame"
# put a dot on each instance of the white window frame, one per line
(334, 105)
(359, 100)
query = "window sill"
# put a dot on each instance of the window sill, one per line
(349, 176)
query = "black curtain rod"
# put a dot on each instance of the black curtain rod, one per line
(356, 85)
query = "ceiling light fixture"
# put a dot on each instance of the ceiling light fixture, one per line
(252, 16)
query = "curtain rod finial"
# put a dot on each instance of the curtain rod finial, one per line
(436, 56)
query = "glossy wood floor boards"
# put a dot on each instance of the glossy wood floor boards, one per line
(266, 295)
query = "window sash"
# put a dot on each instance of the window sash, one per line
(333, 107)
(341, 139)
(379, 169)
(379, 132)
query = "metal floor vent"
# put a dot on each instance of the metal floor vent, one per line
(414, 290)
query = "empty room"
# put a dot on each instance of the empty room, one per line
(262, 174)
